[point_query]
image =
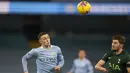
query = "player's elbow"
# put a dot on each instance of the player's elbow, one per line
(62, 63)
(24, 58)
(97, 66)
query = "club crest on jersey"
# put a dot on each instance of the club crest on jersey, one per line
(41, 53)
(109, 57)
(53, 53)
(119, 60)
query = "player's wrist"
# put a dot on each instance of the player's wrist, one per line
(58, 66)
(101, 68)
(25, 72)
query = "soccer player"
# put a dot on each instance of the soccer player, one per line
(81, 64)
(49, 58)
(118, 60)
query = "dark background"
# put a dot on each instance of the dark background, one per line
(93, 33)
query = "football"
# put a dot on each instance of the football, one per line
(83, 7)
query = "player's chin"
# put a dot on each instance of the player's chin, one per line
(47, 44)
(114, 50)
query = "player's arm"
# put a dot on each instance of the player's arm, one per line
(73, 68)
(25, 58)
(128, 66)
(99, 65)
(128, 70)
(60, 59)
(90, 67)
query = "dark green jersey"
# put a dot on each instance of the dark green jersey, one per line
(117, 63)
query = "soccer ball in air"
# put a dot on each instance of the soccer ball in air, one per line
(84, 7)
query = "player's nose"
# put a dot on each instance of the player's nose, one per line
(47, 40)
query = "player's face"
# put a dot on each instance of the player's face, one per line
(45, 40)
(82, 54)
(116, 45)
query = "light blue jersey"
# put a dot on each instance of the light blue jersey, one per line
(46, 59)
(82, 66)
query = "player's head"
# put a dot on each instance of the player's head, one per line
(82, 54)
(44, 39)
(118, 42)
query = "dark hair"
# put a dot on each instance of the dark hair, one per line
(82, 50)
(41, 33)
(120, 38)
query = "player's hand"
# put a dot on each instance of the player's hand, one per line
(57, 68)
(25, 72)
(104, 70)
(69, 72)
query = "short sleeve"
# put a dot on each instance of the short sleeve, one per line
(105, 57)
(128, 62)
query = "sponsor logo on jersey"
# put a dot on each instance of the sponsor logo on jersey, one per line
(114, 66)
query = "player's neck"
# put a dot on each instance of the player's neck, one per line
(118, 52)
(81, 58)
(49, 46)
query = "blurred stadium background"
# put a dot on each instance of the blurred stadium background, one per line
(22, 20)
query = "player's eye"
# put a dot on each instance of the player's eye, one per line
(115, 43)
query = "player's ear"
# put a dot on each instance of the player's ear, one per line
(39, 41)
(122, 45)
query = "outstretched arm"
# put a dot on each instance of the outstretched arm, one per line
(25, 58)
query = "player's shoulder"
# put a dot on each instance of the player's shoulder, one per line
(55, 47)
(109, 52)
(86, 59)
(76, 60)
(35, 49)
(126, 53)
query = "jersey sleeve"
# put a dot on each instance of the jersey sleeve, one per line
(105, 57)
(60, 58)
(26, 57)
(128, 62)
(72, 70)
(90, 67)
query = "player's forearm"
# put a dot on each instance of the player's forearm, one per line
(90, 69)
(24, 64)
(98, 67)
(72, 70)
(61, 63)
(25, 72)
(90, 72)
